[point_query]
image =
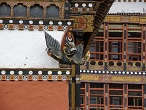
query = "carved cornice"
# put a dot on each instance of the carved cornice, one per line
(99, 17)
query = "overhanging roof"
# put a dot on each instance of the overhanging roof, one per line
(101, 12)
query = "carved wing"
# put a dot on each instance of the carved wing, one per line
(53, 46)
(77, 57)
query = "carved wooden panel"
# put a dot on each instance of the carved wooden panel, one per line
(84, 23)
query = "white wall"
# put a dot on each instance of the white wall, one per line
(128, 7)
(26, 49)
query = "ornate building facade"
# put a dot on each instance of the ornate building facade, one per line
(112, 78)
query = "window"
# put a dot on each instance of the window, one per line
(5, 10)
(52, 11)
(20, 11)
(134, 101)
(116, 100)
(36, 11)
(97, 47)
(96, 100)
(119, 96)
(114, 49)
(135, 96)
(134, 47)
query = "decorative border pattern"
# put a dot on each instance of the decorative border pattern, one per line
(82, 7)
(141, 19)
(9, 24)
(34, 75)
(113, 72)
(83, 23)
(130, 1)
(108, 78)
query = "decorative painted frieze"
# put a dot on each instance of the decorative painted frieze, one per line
(129, 18)
(34, 75)
(16, 24)
(83, 23)
(109, 78)
(113, 72)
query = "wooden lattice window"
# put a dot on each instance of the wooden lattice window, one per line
(135, 96)
(97, 47)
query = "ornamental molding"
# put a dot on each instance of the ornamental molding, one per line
(109, 78)
(83, 23)
(35, 24)
(113, 72)
(138, 19)
(34, 74)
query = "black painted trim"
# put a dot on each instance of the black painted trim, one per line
(143, 66)
(144, 88)
(35, 22)
(35, 71)
(78, 87)
(105, 67)
(67, 10)
(144, 102)
(73, 79)
(106, 88)
(78, 97)
(87, 65)
(124, 34)
(124, 66)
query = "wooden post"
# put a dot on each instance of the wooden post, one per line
(75, 88)
(73, 75)
(78, 87)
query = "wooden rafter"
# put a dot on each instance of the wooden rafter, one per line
(100, 15)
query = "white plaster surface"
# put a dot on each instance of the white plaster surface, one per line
(26, 49)
(128, 7)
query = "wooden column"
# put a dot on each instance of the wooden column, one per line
(144, 96)
(72, 88)
(125, 99)
(75, 88)
(87, 96)
(106, 44)
(78, 88)
(125, 41)
(143, 45)
(12, 11)
(106, 96)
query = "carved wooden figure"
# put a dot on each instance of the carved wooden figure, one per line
(67, 52)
